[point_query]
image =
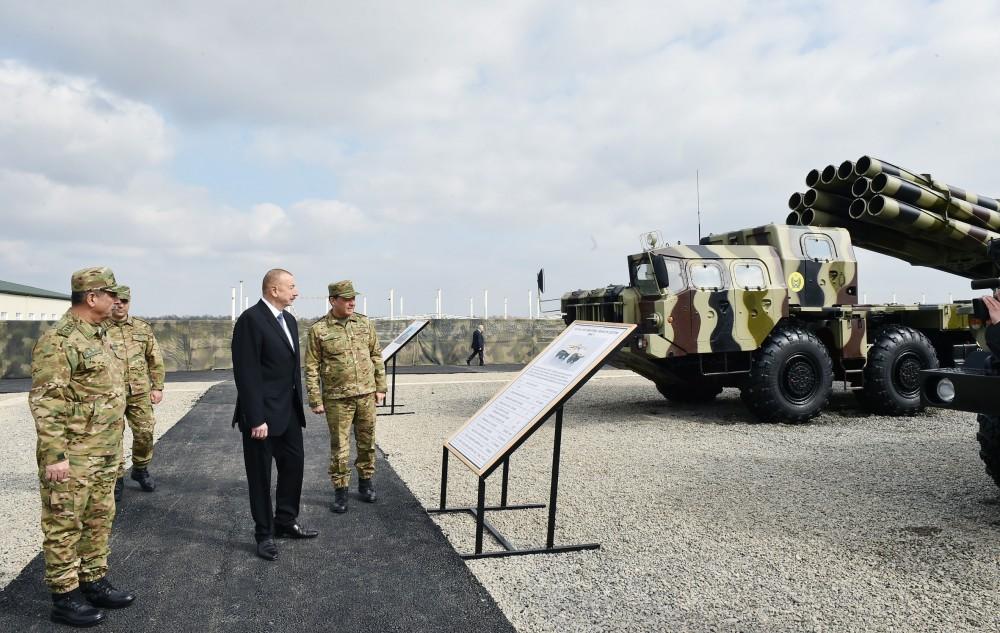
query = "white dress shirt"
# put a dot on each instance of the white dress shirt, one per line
(278, 313)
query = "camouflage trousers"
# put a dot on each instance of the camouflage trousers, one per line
(341, 415)
(139, 413)
(76, 521)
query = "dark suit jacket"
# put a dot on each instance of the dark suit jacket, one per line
(477, 340)
(266, 369)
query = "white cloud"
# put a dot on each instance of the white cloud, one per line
(73, 131)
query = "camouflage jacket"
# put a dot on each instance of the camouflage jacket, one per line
(77, 392)
(343, 359)
(145, 363)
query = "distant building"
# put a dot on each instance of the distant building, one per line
(24, 303)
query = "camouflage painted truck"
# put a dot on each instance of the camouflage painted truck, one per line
(774, 311)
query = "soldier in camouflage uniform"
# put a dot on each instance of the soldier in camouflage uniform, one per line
(345, 378)
(144, 377)
(78, 402)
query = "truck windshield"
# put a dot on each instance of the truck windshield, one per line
(652, 276)
(645, 279)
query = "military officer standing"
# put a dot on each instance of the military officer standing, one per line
(144, 377)
(345, 378)
(78, 402)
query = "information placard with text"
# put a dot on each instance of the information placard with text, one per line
(541, 386)
(403, 338)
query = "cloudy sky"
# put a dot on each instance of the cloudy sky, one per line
(459, 145)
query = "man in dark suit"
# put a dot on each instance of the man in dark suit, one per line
(269, 410)
(477, 345)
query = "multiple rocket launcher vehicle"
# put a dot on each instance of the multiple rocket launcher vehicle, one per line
(774, 311)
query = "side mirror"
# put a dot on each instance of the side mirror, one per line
(660, 270)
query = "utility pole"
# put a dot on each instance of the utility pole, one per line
(472, 310)
(392, 304)
(486, 304)
(505, 308)
(241, 296)
(232, 303)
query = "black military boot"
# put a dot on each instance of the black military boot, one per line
(366, 490)
(339, 504)
(69, 608)
(119, 488)
(102, 593)
(144, 478)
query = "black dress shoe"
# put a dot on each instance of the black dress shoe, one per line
(267, 550)
(294, 531)
(103, 594)
(68, 608)
(119, 487)
(144, 478)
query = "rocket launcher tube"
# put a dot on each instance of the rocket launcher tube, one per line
(932, 200)
(904, 217)
(862, 188)
(812, 178)
(877, 238)
(826, 201)
(846, 170)
(795, 202)
(871, 167)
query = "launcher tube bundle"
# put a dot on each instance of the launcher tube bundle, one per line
(897, 212)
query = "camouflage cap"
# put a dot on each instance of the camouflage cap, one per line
(124, 293)
(343, 289)
(94, 278)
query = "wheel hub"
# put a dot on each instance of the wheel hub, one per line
(906, 374)
(800, 379)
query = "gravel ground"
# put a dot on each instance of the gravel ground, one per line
(21, 538)
(706, 523)
(854, 522)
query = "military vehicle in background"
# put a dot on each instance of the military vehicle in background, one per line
(774, 310)
(975, 386)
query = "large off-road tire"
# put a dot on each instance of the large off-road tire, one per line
(790, 378)
(892, 374)
(689, 391)
(989, 444)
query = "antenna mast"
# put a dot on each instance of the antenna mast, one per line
(697, 192)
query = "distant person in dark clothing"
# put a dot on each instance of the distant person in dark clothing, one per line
(477, 345)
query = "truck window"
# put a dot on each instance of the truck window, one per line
(749, 275)
(706, 275)
(645, 279)
(817, 247)
(675, 279)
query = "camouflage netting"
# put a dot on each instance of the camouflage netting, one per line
(192, 345)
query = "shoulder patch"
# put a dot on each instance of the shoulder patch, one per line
(66, 329)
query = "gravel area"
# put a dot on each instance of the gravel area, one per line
(853, 522)
(21, 538)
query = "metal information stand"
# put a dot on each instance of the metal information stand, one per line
(389, 353)
(487, 440)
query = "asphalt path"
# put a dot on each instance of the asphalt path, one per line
(187, 550)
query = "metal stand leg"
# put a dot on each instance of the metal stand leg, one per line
(444, 478)
(480, 515)
(391, 400)
(392, 408)
(554, 489)
(503, 486)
